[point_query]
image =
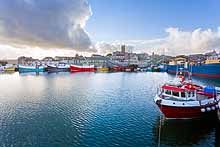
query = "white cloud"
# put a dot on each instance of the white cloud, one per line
(45, 24)
(10, 52)
(176, 42)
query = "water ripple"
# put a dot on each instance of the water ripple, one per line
(88, 109)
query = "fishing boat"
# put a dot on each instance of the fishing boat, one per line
(102, 69)
(117, 69)
(31, 68)
(61, 67)
(82, 68)
(210, 69)
(180, 99)
(9, 68)
(154, 68)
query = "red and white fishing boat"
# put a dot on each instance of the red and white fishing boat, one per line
(184, 99)
(83, 68)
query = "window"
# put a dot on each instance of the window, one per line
(168, 92)
(175, 93)
(183, 94)
(193, 94)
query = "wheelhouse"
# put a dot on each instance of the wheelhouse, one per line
(169, 91)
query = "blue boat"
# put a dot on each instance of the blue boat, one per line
(28, 68)
(210, 69)
(61, 67)
(163, 68)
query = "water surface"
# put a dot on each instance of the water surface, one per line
(93, 109)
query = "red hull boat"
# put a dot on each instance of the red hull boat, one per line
(184, 99)
(77, 68)
(187, 112)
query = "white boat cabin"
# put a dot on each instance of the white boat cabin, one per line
(169, 92)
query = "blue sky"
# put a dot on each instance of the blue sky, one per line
(171, 26)
(148, 19)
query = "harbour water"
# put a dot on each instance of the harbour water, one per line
(94, 109)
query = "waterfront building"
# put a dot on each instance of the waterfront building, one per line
(181, 59)
(97, 60)
(120, 55)
(48, 61)
(9, 61)
(123, 49)
(63, 58)
(28, 60)
(197, 58)
(143, 56)
(132, 59)
(3, 62)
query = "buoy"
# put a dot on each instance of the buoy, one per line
(203, 110)
(208, 109)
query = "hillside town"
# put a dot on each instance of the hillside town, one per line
(116, 58)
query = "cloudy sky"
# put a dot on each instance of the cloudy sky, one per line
(66, 27)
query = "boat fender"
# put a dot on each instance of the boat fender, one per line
(208, 109)
(203, 110)
(213, 107)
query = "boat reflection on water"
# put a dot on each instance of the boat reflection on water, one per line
(30, 73)
(188, 132)
(8, 72)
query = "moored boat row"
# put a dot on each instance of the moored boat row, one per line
(61, 68)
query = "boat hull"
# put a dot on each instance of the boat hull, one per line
(76, 68)
(172, 112)
(57, 69)
(204, 70)
(117, 69)
(102, 69)
(9, 69)
(30, 69)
